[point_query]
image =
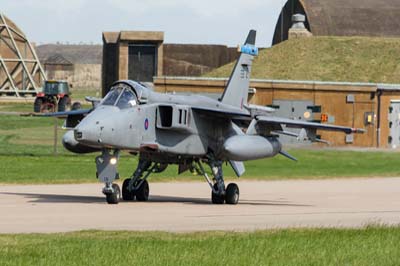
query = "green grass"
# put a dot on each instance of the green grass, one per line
(26, 157)
(79, 94)
(369, 246)
(16, 107)
(24, 123)
(313, 164)
(353, 59)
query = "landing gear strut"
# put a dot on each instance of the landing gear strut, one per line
(219, 194)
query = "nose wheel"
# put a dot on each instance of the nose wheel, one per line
(113, 195)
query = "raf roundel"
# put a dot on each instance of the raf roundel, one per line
(146, 124)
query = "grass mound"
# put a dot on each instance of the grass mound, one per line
(352, 59)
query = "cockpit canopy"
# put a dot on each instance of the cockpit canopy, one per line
(121, 96)
(126, 94)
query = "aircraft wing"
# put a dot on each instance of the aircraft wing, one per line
(67, 113)
(222, 113)
(306, 125)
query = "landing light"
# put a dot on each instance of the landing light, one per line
(113, 161)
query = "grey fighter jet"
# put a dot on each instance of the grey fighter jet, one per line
(189, 131)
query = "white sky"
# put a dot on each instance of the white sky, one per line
(183, 21)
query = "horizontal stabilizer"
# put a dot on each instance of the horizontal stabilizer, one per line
(287, 155)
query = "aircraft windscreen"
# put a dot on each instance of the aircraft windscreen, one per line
(127, 99)
(121, 97)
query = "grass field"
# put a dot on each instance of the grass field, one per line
(26, 147)
(369, 246)
(16, 107)
(42, 169)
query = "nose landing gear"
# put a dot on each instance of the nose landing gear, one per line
(106, 165)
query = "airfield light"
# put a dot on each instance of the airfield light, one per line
(113, 161)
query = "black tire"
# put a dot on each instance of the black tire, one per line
(64, 104)
(37, 106)
(113, 198)
(142, 193)
(232, 194)
(126, 194)
(76, 106)
(217, 198)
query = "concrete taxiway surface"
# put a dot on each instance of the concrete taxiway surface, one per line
(181, 207)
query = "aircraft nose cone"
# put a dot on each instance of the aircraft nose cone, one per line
(68, 139)
(71, 144)
(86, 133)
(98, 128)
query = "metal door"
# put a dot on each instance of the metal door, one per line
(296, 110)
(394, 124)
(142, 62)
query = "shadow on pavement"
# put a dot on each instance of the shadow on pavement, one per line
(53, 198)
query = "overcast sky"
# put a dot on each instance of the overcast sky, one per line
(183, 21)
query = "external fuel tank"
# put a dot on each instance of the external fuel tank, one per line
(249, 147)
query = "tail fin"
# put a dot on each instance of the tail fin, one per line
(237, 90)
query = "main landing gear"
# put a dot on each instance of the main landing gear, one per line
(137, 186)
(219, 194)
